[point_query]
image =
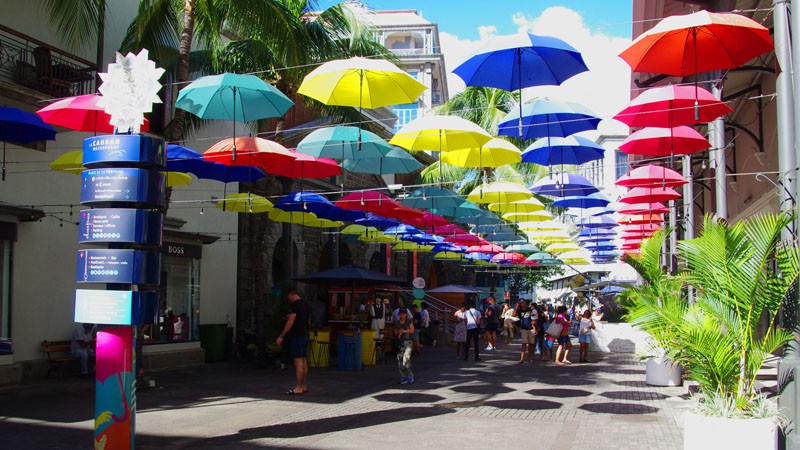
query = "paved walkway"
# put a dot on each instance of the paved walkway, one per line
(452, 404)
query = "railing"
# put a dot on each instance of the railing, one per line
(34, 64)
(438, 310)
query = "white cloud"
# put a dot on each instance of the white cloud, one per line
(604, 89)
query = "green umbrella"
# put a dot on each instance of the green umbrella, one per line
(240, 98)
(343, 143)
(522, 248)
(396, 161)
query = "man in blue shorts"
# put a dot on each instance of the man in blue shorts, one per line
(297, 328)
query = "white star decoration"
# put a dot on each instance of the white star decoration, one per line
(129, 90)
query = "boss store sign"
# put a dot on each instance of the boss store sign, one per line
(181, 250)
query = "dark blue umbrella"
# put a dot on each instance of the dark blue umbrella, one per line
(543, 117)
(558, 151)
(183, 159)
(581, 201)
(564, 184)
(317, 204)
(598, 222)
(612, 289)
(372, 220)
(447, 247)
(403, 230)
(21, 126)
(423, 238)
(596, 233)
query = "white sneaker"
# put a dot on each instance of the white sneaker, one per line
(489, 348)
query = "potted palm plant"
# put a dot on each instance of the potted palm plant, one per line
(741, 274)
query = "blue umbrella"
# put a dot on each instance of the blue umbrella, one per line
(22, 126)
(372, 220)
(395, 161)
(446, 247)
(543, 117)
(569, 150)
(596, 233)
(317, 204)
(581, 201)
(478, 256)
(601, 246)
(519, 61)
(423, 238)
(344, 142)
(403, 229)
(183, 159)
(564, 184)
(599, 222)
(491, 228)
(593, 238)
(612, 289)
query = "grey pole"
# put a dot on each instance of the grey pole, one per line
(792, 158)
(717, 156)
(688, 198)
(789, 366)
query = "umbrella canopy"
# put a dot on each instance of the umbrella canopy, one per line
(672, 106)
(17, 125)
(304, 202)
(343, 142)
(411, 246)
(472, 214)
(183, 159)
(454, 289)
(485, 248)
(178, 179)
(245, 203)
(649, 195)
(598, 222)
(521, 248)
(445, 255)
(379, 222)
(698, 42)
(230, 96)
(518, 61)
(544, 117)
(520, 206)
(587, 201)
(651, 176)
(596, 233)
(396, 160)
(562, 247)
(249, 151)
(564, 184)
(508, 258)
(80, 113)
(440, 133)
(641, 208)
(549, 225)
(499, 192)
(445, 229)
(648, 227)
(347, 275)
(497, 152)
(635, 219)
(429, 219)
(305, 166)
(658, 142)
(70, 162)
(569, 150)
(433, 198)
(536, 216)
(360, 82)
(368, 201)
(465, 239)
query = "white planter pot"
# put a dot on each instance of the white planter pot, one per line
(660, 371)
(704, 433)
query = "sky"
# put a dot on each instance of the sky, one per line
(600, 30)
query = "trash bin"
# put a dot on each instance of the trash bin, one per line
(319, 348)
(212, 339)
(349, 346)
(368, 347)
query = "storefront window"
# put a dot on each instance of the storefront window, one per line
(5, 297)
(179, 312)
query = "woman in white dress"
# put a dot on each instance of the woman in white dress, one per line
(460, 333)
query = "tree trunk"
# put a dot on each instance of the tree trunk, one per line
(184, 47)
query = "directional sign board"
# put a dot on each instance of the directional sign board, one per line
(123, 186)
(129, 150)
(115, 307)
(118, 266)
(120, 225)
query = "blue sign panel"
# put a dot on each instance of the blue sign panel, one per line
(129, 150)
(115, 307)
(123, 186)
(118, 266)
(120, 225)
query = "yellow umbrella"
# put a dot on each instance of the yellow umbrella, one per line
(499, 192)
(520, 206)
(358, 229)
(575, 257)
(245, 203)
(541, 226)
(562, 247)
(440, 134)
(497, 152)
(178, 179)
(538, 216)
(70, 162)
(448, 255)
(378, 237)
(361, 82)
(412, 246)
(296, 217)
(548, 237)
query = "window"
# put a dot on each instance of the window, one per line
(179, 312)
(621, 163)
(405, 113)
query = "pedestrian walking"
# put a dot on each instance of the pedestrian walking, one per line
(460, 332)
(585, 335)
(297, 326)
(527, 330)
(564, 343)
(404, 330)
(473, 318)
(492, 318)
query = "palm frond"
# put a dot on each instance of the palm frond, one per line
(78, 22)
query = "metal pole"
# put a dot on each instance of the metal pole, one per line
(688, 198)
(789, 162)
(717, 156)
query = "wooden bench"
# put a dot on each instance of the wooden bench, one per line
(58, 353)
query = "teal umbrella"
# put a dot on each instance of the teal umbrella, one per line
(525, 248)
(240, 98)
(343, 143)
(396, 161)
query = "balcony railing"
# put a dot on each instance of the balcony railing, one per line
(36, 65)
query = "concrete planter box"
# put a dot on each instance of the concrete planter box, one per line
(661, 371)
(704, 433)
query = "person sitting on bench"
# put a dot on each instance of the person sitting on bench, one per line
(82, 346)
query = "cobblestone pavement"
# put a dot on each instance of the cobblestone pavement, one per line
(453, 403)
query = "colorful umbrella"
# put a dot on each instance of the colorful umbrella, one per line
(466, 239)
(648, 227)
(698, 42)
(252, 151)
(544, 117)
(70, 162)
(447, 255)
(485, 248)
(396, 160)
(508, 258)
(572, 150)
(367, 201)
(429, 219)
(433, 198)
(21, 126)
(360, 82)
(649, 195)
(230, 96)
(304, 202)
(562, 247)
(178, 179)
(183, 159)
(379, 222)
(598, 222)
(245, 203)
(519, 206)
(497, 152)
(641, 208)
(658, 142)
(80, 113)
(344, 142)
(440, 133)
(412, 247)
(581, 201)
(672, 106)
(636, 219)
(536, 216)
(651, 176)
(521, 248)
(499, 192)
(305, 166)
(564, 184)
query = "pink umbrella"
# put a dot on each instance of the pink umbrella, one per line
(641, 208)
(80, 113)
(429, 219)
(651, 176)
(485, 248)
(640, 228)
(649, 195)
(672, 106)
(445, 229)
(636, 235)
(405, 214)
(466, 239)
(506, 257)
(367, 201)
(303, 166)
(657, 142)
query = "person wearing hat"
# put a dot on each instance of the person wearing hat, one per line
(403, 331)
(297, 328)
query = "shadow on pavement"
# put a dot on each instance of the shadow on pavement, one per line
(531, 404)
(485, 388)
(559, 393)
(410, 397)
(634, 395)
(618, 408)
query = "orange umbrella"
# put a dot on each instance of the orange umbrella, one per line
(249, 151)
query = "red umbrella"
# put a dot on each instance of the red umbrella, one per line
(698, 42)
(303, 166)
(651, 176)
(641, 208)
(672, 106)
(250, 151)
(506, 257)
(647, 227)
(658, 142)
(636, 219)
(636, 235)
(405, 214)
(445, 228)
(80, 113)
(429, 219)
(367, 201)
(466, 239)
(649, 195)
(485, 248)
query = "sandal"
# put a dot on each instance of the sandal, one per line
(292, 392)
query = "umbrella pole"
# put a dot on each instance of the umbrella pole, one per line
(233, 158)
(519, 80)
(360, 97)
(4, 161)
